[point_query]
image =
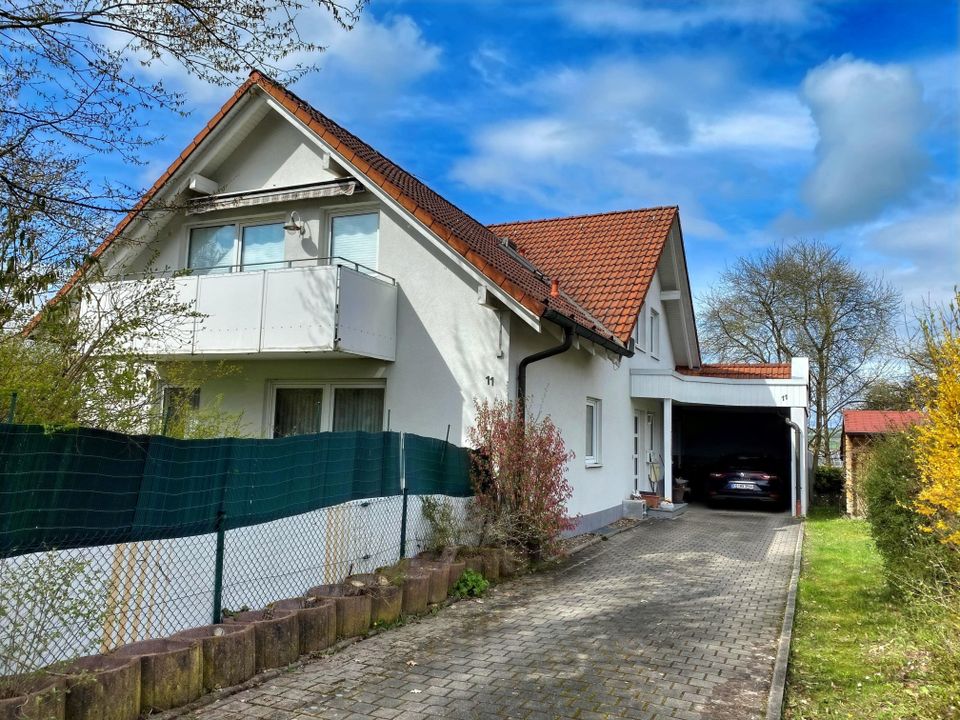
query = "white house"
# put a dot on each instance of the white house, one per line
(352, 296)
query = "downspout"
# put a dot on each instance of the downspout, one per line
(542, 355)
(798, 509)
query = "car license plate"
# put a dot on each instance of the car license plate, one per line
(741, 486)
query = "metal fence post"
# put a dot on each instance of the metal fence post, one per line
(218, 572)
(403, 527)
(403, 484)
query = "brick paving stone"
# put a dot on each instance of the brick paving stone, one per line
(674, 619)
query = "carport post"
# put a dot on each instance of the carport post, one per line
(667, 430)
(798, 466)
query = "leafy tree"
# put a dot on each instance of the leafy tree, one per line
(81, 79)
(887, 394)
(805, 299)
(938, 439)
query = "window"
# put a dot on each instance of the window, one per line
(355, 238)
(322, 407)
(297, 411)
(639, 336)
(358, 409)
(592, 449)
(654, 333)
(176, 405)
(212, 249)
(262, 246)
(221, 248)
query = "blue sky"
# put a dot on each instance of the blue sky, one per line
(762, 120)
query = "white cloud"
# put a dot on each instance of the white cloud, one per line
(490, 62)
(677, 17)
(869, 156)
(919, 251)
(621, 133)
(776, 121)
(381, 54)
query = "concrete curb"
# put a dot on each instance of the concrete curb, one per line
(777, 687)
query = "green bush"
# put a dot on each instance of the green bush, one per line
(471, 584)
(890, 488)
(828, 480)
(828, 484)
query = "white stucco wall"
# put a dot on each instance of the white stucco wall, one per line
(447, 343)
(559, 387)
(643, 357)
(273, 155)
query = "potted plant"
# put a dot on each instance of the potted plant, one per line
(652, 499)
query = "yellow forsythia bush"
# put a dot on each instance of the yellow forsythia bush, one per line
(938, 439)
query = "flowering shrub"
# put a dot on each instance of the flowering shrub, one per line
(519, 477)
(938, 439)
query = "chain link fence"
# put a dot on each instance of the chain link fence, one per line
(65, 603)
(155, 588)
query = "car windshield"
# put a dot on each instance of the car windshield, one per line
(745, 462)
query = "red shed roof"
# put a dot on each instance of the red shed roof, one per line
(606, 261)
(740, 371)
(871, 422)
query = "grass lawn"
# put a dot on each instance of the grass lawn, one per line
(857, 652)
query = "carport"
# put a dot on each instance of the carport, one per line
(727, 409)
(705, 437)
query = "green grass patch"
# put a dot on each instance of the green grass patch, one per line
(858, 650)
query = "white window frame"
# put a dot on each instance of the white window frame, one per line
(654, 333)
(329, 388)
(595, 460)
(347, 211)
(639, 330)
(238, 225)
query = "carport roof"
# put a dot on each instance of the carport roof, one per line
(740, 371)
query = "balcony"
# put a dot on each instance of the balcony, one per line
(334, 307)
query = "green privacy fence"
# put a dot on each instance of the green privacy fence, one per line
(83, 487)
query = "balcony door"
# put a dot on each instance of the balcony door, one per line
(239, 245)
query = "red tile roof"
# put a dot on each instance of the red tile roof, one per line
(605, 261)
(870, 422)
(740, 371)
(477, 244)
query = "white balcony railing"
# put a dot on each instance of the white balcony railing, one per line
(320, 308)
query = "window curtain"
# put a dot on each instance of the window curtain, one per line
(358, 409)
(354, 238)
(297, 411)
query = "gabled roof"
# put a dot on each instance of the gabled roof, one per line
(740, 371)
(874, 422)
(477, 244)
(605, 261)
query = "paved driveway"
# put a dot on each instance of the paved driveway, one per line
(672, 619)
